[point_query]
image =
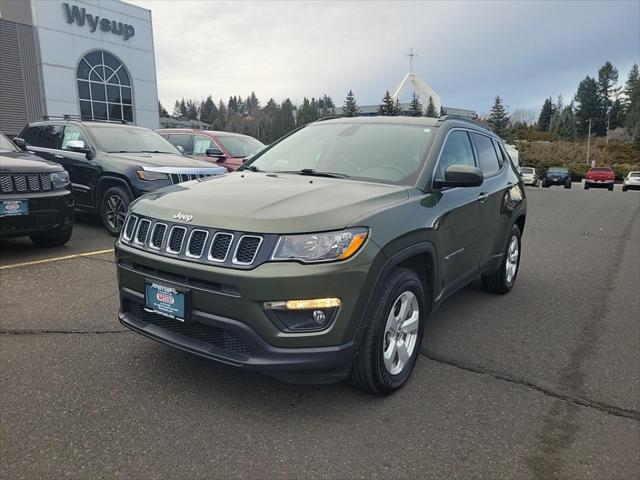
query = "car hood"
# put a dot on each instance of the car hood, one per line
(159, 160)
(23, 162)
(269, 203)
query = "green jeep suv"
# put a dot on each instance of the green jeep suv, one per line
(323, 256)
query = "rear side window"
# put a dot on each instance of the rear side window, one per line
(487, 157)
(50, 136)
(457, 151)
(30, 135)
(502, 155)
(183, 141)
(71, 132)
(201, 144)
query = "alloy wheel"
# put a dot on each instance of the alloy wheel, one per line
(401, 332)
(115, 212)
(513, 257)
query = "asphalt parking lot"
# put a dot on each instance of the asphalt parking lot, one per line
(543, 383)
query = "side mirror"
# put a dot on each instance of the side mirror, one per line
(215, 153)
(179, 147)
(77, 146)
(20, 143)
(461, 176)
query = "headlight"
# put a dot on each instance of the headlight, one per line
(320, 247)
(151, 176)
(59, 179)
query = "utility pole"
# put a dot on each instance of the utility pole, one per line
(608, 121)
(588, 140)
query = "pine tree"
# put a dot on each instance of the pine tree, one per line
(607, 79)
(565, 126)
(350, 108)
(616, 115)
(415, 107)
(176, 110)
(632, 110)
(192, 110)
(588, 107)
(162, 112)
(253, 104)
(544, 120)
(389, 106)
(431, 109)
(183, 109)
(326, 105)
(498, 118)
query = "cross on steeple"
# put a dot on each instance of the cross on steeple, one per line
(411, 55)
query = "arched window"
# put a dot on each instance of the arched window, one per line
(104, 88)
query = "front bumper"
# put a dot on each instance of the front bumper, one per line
(226, 321)
(631, 186)
(47, 211)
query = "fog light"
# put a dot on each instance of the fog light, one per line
(302, 315)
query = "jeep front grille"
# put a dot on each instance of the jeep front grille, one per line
(197, 244)
(20, 183)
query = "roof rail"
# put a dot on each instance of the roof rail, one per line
(329, 117)
(83, 118)
(462, 118)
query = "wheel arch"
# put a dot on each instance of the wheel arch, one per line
(107, 181)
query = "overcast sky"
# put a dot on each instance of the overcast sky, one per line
(467, 51)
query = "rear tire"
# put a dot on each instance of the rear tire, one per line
(55, 239)
(502, 280)
(586, 186)
(391, 342)
(610, 188)
(545, 184)
(567, 184)
(113, 209)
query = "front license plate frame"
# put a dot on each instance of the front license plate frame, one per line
(14, 208)
(166, 300)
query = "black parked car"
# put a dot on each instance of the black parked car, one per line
(557, 176)
(35, 197)
(111, 164)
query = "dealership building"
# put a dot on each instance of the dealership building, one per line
(89, 58)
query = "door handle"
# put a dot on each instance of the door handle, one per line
(58, 156)
(483, 197)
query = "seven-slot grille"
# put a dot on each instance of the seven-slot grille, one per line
(185, 177)
(195, 243)
(220, 247)
(25, 182)
(247, 249)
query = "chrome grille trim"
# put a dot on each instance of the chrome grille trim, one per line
(210, 257)
(142, 224)
(153, 233)
(168, 248)
(235, 260)
(204, 243)
(134, 219)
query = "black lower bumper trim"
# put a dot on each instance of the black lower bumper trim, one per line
(246, 349)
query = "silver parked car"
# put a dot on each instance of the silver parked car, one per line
(631, 182)
(530, 176)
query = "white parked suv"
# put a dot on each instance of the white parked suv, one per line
(631, 182)
(530, 176)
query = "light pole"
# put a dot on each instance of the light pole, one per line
(588, 140)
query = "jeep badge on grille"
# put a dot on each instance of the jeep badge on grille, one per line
(183, 216)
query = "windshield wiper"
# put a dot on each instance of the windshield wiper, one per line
(253, 168)
(315, 173)
(154, 151)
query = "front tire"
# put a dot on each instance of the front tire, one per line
(567, 184)
(545, 184)
(610, 187)
(55, 239)
(624, 189)
(586, 186)
(391, 343)
(502, 280)
(113, 209)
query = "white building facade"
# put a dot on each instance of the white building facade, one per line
(89, 58)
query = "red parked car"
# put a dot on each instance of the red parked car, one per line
(599, 177)
(223, 148)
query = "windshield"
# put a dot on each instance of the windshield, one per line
(601, 169)
(6, 144)
(634, 174)
(240, 147)
(388, 153)
(557, 170)
(114, 139)
(526, 170)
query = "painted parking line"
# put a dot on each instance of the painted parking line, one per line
(55, 259)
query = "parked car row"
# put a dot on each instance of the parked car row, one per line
(105, 166)
(596, 177)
